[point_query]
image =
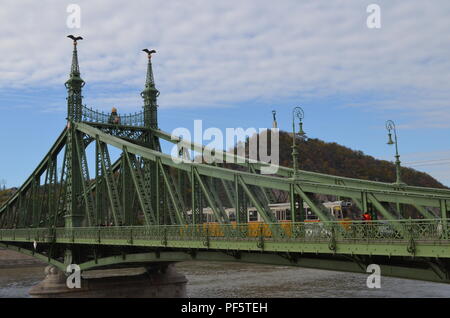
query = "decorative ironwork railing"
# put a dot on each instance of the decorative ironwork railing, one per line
(397, 231)
(95, 116)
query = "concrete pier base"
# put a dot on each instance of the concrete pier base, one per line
(156, 282)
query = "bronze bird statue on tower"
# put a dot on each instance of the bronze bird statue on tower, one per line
(149, 52)
(75, 39)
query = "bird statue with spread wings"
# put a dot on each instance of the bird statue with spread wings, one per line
(149, 52)
(75, 39)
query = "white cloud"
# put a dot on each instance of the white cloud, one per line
(218, 53)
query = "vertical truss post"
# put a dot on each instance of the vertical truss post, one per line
(7, 216)
(156, 189)
(85, 180)
(444, 216)
(21, 211)
(53, 193)
(3, 220)
(29, 208)
(292, 201)
(74, 216)
(61, 202)
(399, 210)
(201, 217)
(7, 221)
(296, 204)
(10, 216)
(169, 219)
(127, 194)
(197, 199)
(182, 185)
(163, 196)
(193, 198)
(41, 217)
(364, 202)
(241, 206)
(99, 186)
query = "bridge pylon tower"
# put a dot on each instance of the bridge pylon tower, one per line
(152, 173)
(73, 214)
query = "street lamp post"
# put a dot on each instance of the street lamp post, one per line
(390, 126)
(296, 112)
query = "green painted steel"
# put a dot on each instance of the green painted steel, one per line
(420, 238)
(147, 199)
(304, 175)
(280, 183)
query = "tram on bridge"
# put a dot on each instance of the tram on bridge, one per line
(340, 210)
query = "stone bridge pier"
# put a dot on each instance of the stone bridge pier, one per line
(158, 281)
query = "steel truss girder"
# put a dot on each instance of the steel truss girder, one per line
(403, 197)
(303, 175)
(54, 150)
(271, 181)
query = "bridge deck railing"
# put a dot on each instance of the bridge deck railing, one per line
(351, 231)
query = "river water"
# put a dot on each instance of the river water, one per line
(227, 280)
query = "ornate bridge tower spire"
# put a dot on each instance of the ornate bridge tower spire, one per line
(73, 214)
(74, 85)
(150, 94)
(152, 174)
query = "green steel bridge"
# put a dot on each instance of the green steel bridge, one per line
(146, 208)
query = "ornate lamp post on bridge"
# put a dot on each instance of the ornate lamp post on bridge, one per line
(390, 126)
(298, 113)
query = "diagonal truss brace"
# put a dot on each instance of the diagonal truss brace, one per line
(111, 186)
(143, 196)
(173, 193)
(220, 214)
(316, 209)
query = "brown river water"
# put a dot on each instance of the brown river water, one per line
(228, 280)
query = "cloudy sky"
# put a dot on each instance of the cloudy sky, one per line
(231, 63)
